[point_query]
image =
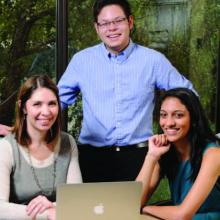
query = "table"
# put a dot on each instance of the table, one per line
(147, 217)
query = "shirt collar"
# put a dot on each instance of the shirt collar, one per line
(123, 55)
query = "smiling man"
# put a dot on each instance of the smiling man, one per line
(117, 79)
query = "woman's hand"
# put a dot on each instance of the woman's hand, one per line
(51, 214)
(158, 145)
(4, 130)
(38, 205)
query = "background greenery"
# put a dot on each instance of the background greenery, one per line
(191, 41)
(27, 36)
(26, 28)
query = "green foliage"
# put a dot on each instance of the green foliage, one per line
(26, 28)
(178, 53)
(204, 41)
(142, 11)
(81, 28)
(75, 118)
(162, 192)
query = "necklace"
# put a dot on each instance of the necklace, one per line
(44, 192)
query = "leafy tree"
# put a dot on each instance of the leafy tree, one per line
(26, 28)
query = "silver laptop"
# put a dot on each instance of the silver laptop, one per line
(99, 201)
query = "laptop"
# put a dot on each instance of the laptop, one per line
(99, 201)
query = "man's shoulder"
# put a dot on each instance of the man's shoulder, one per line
(88, 51)
(148, 51)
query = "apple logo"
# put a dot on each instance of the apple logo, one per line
(99, 209)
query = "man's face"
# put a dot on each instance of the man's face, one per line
(114, 28)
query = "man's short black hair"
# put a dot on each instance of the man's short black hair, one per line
(100, 4)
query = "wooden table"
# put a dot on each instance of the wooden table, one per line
(147, 217)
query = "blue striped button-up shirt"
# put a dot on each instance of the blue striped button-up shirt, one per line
(118, 92)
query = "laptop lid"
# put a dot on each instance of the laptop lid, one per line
(99, 201)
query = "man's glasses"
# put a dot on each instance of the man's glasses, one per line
(107, 24)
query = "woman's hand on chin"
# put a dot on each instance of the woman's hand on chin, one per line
(158, 145)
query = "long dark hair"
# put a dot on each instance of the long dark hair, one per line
(199, 134)
(25, 92)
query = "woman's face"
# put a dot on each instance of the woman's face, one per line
(41, 110)
(174, 120)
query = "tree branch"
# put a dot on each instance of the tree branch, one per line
(18, 48)
(39, 48)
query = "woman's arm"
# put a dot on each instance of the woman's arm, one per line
(9, 210)
(4, 130)
(149, 174)
(74, 173)
(204, 183)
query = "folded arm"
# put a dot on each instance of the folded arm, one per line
(10, 210)
(204, 183)
(150, 171)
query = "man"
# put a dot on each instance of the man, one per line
(117, 79)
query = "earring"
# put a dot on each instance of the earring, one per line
(25, 116)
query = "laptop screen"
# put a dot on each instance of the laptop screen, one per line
(102, 201)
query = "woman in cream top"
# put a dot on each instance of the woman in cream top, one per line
(36, 157)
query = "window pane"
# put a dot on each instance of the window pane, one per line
(188, 34)
(185, 31)
(27, 36)
(81, 34)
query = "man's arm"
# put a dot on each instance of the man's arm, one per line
(168, 77)
(68, 84)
